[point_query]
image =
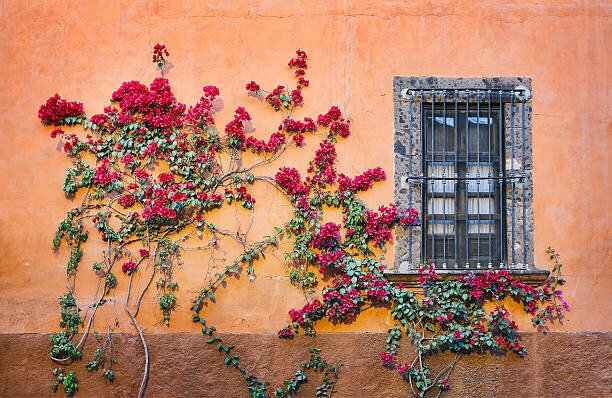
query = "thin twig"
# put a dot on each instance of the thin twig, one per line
(145, 376)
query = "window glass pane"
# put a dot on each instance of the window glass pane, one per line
(443, 135)
(481, 206)
(478, 170)
(441, 205)
(441, 170)
(441, 227)
(484, 249)
(443, 250)
(481, 226)
(482, 131)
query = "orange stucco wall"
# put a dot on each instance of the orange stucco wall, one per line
(85, 49)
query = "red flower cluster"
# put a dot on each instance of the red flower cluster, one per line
(151, 149)
(296, 96)
(312, 310)
(290, 180)
(242, 194)
(159, 51)
(215, 198)
(165, 178)
(501, 312)
(126, 200)
(333, 114)
(362, 182)
(299, 61)
(202, 113)
(298, 128)
(56, 110)
(330, 259)
(341, 299)
(252, 87)
(127, 158)
(304, 205)
(141, 174)
(403, 368)
(56, 131)
(99, 119)
(378, 224)
(375, 288)
(211, 92)
(131, 96)
(323, 165)
(444, 318)
(128, 266)
(274, 98)
(506, 341)
(235, 128)
(71, 142)
(159, 204)
(408, 216)
(102, 176)
(387, 358)
(340, 128)
(328, 236)
(286, 332)
(497, 281)
(336, 123)
(427, 273)
(144, 252)
(274, 142)
(298, 139)
(292, 126)
(178, 197)
(155, 106)
(281, 97)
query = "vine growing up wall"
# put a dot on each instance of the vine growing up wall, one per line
(149, 172)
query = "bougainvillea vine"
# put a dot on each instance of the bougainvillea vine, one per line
(149, 171)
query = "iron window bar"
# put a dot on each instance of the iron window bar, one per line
(480, 107)
(504, 177)
(520, 92)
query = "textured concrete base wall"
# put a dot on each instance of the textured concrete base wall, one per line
(558, 365)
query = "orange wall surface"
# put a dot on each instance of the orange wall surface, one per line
(85, 49)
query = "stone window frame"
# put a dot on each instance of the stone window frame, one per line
(407, 261)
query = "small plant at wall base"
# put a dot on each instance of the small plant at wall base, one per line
(147, 174)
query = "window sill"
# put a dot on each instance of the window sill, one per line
(533, 277)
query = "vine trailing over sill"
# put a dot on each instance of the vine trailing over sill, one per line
(160, 169)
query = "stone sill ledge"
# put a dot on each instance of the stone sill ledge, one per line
(532, 277)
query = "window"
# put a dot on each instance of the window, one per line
(463, 159)
(461, 185)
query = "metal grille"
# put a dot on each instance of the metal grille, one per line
(472, 177)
